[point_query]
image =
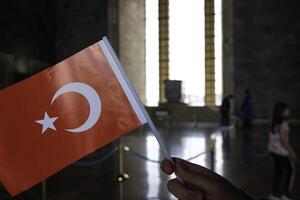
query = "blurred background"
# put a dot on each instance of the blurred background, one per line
(184, 58)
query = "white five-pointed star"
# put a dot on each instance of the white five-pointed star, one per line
(47, 122)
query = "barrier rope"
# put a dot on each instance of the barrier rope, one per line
(158, 198)
(98, 161)
(111, 153)
(196, 156)
(129, 150)
(134, 153)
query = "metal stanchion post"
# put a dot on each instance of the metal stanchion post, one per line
(44, 190)
(121, 167)
(121, 191)
(212, 153)
(122, 176)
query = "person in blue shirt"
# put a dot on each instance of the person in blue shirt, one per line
(225, 111)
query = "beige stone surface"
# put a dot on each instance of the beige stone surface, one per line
(132, 42)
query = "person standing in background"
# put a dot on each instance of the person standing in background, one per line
(247, 110)
(225, 111)
(282, 153)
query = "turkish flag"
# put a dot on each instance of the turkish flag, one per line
(62, 114)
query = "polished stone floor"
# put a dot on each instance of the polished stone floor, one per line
(240, 156)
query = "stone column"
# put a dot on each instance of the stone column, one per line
(209, 53)
(228, 61)
(132, 42)
(163, 47)
(113, 24)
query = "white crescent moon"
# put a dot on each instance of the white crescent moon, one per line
(93, 99)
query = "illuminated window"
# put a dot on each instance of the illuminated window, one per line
(187, 48)
(152, 53)
(218, 52)
(186, 42)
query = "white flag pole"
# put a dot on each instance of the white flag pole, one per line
(138, 100)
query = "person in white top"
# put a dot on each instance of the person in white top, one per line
(282, 153)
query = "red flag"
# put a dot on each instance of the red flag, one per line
(62, 114)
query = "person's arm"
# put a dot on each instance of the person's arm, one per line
(285, 143)
(200, 183)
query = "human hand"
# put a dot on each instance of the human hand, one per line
(203, 184)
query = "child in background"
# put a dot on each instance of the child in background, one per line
(282, 153)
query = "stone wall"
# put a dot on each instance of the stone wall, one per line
(266, 53)
(132, 42)
(228, 63)
(27, 38)
(79, 24)
(28, 29)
